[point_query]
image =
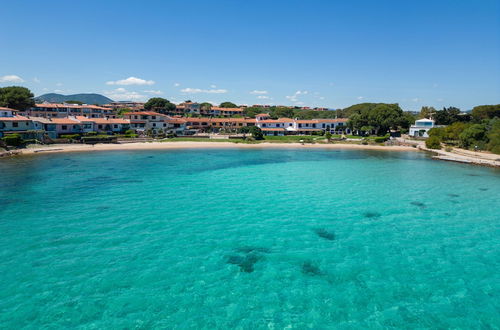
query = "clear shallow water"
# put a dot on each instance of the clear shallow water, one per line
(249, 239)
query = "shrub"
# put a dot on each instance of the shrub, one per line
(14, 140)
(70, 136)
(381, 139)
(448, 149)
(129, 132)
(433, 142)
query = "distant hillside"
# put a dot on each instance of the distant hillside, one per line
(84, 98)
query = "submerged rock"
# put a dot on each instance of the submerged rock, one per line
(371, 214)
(453, 195)
(419, 204)
(249, 249)
(246, 263)
(483, 189)
(323, 233)
(309, 268)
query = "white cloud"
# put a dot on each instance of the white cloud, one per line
(213, 86)
(58, 91)
(121, 94)
(11, 79)
(131, 81)
(321, 97)
(154, 92)
(207, 91)
(176, 84)
(36, 80)
(59, 84)
(360, 97)
(263, 97)
(415, 99)
(257, 92)
(294, 97)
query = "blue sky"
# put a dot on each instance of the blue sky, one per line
(313, 53)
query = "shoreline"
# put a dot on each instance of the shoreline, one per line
(59, 148)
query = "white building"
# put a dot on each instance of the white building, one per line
(422, 127)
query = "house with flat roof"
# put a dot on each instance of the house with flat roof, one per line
(422, 127)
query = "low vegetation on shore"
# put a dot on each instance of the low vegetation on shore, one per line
(479, 131)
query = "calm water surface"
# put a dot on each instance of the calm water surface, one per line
(248, 239)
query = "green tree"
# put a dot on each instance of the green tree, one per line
(160, 105)
(74, 102)
(433, 142)
(474, 135)
(282, 112)
(426, 112)
(485, 112)
(206, 106)
(328, 136)
(447, 116)
(16, 97)
(228, 105)
(381, 117)
(256, 133)
(494, 136)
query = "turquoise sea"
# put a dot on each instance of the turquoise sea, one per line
(248, 239)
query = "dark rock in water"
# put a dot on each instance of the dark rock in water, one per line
(472, 174)
(249, 249)
(453, 195)
(309, 268)
(102, 208)
(483, 189)
(235, 260)
(419, 204)
(371, 215)
(245, 263)
(323, 233)
(150, 157)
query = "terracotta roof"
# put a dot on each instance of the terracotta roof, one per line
(312, 121)
(64, 121)
(280, 120)
(176, 120)
(7, 109)
(15, 118)
(262, 115)
(144, 113)
(336, 120)
(74, 106)
(273, 129)
(227, 109)
(110, 121)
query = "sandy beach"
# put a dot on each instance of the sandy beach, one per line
(56, 148)
(457, 155)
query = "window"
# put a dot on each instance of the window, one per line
(99, 126)
(64, 127)
(154, 124)
(135, 117)
(153, 117)
(300, 125)
(164, 125)
(115, 126)
(14, 124)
